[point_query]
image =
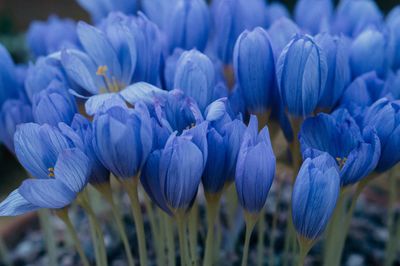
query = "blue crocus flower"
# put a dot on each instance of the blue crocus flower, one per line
(314, 15)
(255, 170)
(68, 179)
(384, 116)
(282, 32)
(188, 25)
(195, 76)
(170, 68)
(232, 17)
(361, 58)
(339, 74)
(314, 196)
(354, 16)
(46, 37)
(80, 134)
(276, 11)
(393, 24)
(356, 153)
(13, 113)
(54, 105)
(181, 167)
(302, 72)
(99, 9)
(254, 66)
(129, 132)
(8, 77)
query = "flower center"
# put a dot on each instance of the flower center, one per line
(111, 85)
(51, 172)
(341, 161)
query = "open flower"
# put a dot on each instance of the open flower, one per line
(356, 153)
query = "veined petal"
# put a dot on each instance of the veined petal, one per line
(15, 205)
(141, 91)
(102, 102)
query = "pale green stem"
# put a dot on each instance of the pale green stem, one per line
(131, 186)
(5, 255)
(274, 225)
(105, 190)
(251, 220)
(193, 227)
(181, 221)
(217, 244)
(169, 229)
(260, 241)
(157, 241)
(212, 201)
(391, 244)
(304, 246)
(97, 233)
(48, 233)
(63, 215)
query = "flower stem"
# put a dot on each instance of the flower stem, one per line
(391, 244)
(274, 225)
(193, 226)
(5, 255)
(212, 201)
(169, 237)
(131, 186)
(260, 238)
(251, 220)
(63, 215)
(181, 221)
(105, 190)
(305, 245)
(48, 233)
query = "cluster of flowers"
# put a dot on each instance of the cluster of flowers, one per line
(163, 95)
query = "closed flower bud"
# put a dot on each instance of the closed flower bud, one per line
(170, 68)
(276, 11)
(281, 33)
(188, 25)
(181, 167)
(384, 116)
(314, 196)
(302, 72)
(393, 23)
(195, 76)
(8, 77)
(255, 170)
(354, 16)
(13, 113)
(314, 15)
(232, 17)
(362, 60)
(129, 133)
(254, 66)
(339, 74)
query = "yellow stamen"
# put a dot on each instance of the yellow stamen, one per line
(101, 71)
(51, 172)
(341, 161)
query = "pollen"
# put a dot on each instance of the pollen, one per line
(341, 161)
(101, 71)
(51, 172)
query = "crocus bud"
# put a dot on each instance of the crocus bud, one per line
(276, 11)
(314, 196)
(393, 23)
(302, 72)
(384, 116)
(54, 105)
(188, 25)
(362, 60)
(129, 133)
(13, 113)
(195, 76)
(46, 37)
(255, 170)
(181, 167)
(314, 15)
(339, 75)
(99, 9)
(254, 65)
(232, 17)
(353, 16)
(170, 68)
(281, 33)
